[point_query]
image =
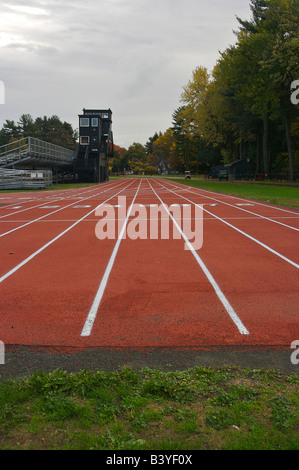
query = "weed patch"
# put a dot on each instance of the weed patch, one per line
(200, 408)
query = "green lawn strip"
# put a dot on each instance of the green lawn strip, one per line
(275, 194)
(200, 408)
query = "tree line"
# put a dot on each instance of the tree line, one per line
(50, 129)
(243, 109)
(244, 106)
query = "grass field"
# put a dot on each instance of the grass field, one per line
(197, 409)
(275, 194)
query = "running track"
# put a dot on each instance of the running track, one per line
(61, 286)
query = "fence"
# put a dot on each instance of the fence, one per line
(25, 179)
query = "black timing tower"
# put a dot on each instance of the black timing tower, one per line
(95, 145)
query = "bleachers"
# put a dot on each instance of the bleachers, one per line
(30, 149)
(25, 179)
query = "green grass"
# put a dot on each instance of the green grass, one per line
(200, 408)
(275, 194)
(271, 193)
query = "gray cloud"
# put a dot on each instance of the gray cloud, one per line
(133, 56)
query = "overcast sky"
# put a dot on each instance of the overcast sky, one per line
(133, 56)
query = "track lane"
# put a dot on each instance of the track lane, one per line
(49, 205)
(101, 290)
(46, 301)
(78, 203)
(259, 211)
(33, 242)
(228, 197)
(156, 295)
(285, 239)
(262, 287)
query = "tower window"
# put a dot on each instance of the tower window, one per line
(94, 122)
(84, 122)
(84, 140)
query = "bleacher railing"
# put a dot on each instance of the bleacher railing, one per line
(31, 148)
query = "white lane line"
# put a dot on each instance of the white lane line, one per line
(245, 210)
(150, 205)
(240, 231)
(230, 310)
(86, 331)
(273, 206)
(51, 213)
(44, 203)
(242, 203)
(9, 204)
(23, 210)
(29, 258)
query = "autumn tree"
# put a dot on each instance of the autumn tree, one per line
(181, 122)
(282, 26)
(270, 46)
(149, 144)
(164, 149)
(136, 157)
(245, 104)
(118, 163)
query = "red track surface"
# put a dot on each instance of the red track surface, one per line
(157, 295)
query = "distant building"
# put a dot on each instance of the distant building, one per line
(237, 170)
(240, 169)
